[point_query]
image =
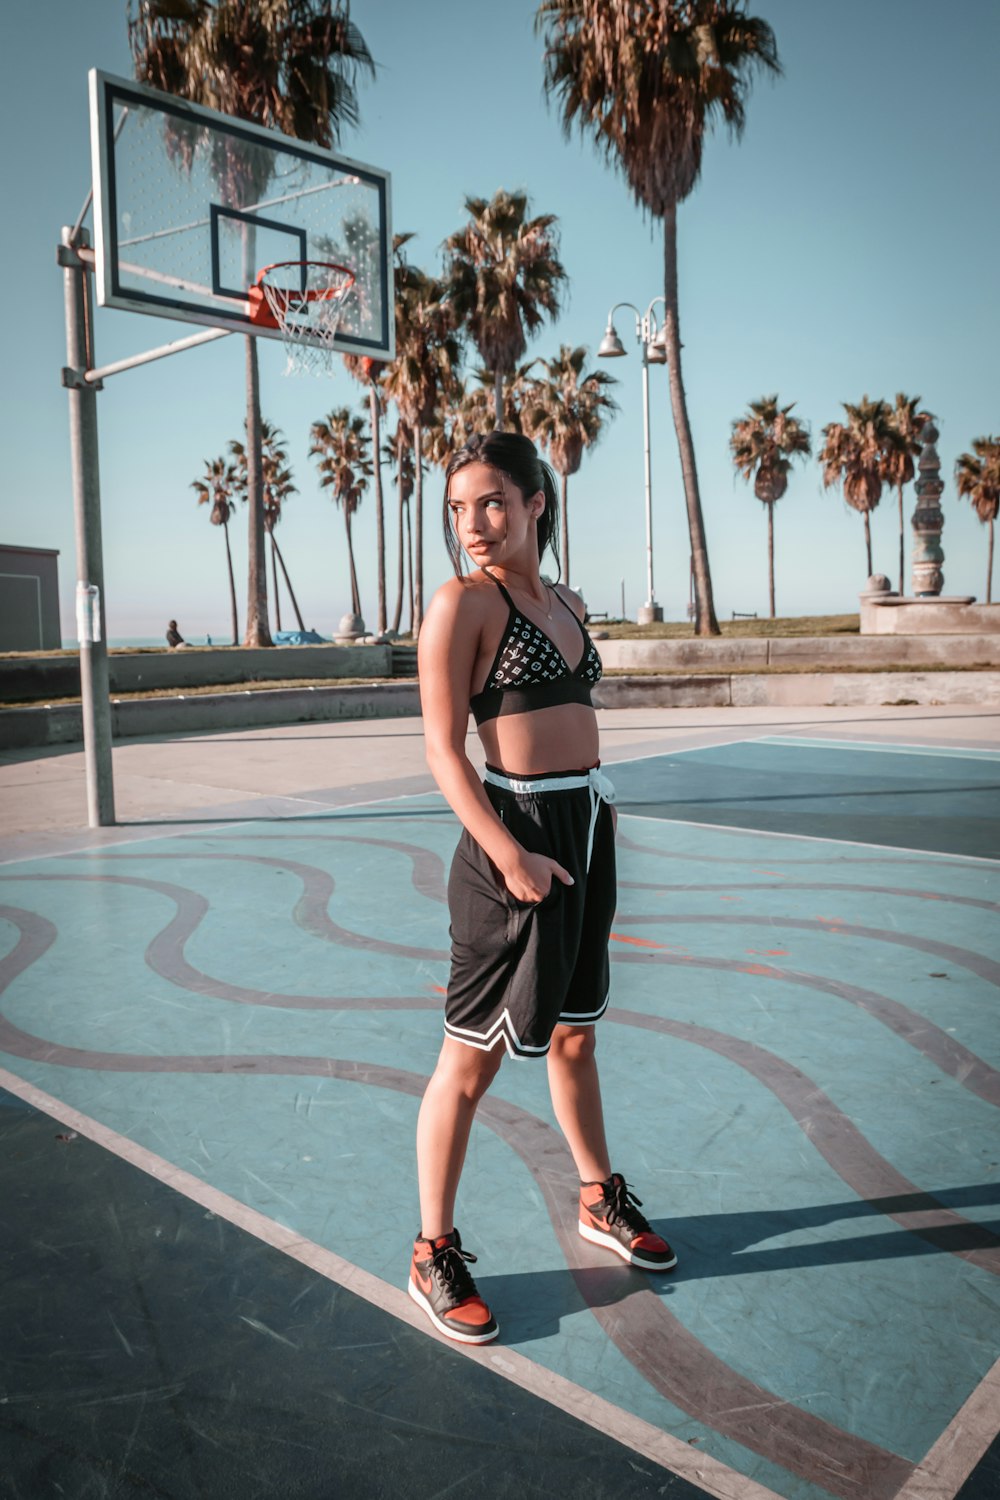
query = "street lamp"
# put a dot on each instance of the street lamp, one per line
(654, 352)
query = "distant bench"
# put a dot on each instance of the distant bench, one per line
(738, 616)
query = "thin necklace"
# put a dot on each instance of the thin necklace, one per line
(524, 593)
(547, 612)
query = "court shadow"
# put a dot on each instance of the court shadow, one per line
(735, 1244)
(532, 1304)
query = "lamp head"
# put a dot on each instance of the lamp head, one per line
(611, 346)
(655, 353)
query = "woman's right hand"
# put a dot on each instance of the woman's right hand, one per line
(530, 878)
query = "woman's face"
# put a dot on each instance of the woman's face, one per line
(492, 519)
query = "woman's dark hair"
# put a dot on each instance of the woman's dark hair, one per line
(517, 458)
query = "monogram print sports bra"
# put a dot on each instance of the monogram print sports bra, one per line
(529, 671)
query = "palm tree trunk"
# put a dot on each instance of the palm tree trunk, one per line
(409, 562)
(418, 527)
(868, 541)
(564, 484)
(373, 407)
(902, 590)
(288, 583)
(274, 584)
(989, 566)
(705, 622)
(232, 586)
(355, 594)
(770, 556)
(258, 633)
(498, 400)
(397, 614)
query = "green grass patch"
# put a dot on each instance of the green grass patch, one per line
(683, 630)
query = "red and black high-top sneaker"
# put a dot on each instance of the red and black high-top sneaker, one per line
(609, 1216)
(443, 1287)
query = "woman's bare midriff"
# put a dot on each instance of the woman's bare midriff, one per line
(561, 738)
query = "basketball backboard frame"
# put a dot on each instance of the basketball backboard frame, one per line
(281, 225)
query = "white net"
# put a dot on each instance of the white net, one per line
(308, 316)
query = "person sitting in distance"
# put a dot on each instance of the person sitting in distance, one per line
(174, 637)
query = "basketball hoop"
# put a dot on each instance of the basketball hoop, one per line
(307, 316)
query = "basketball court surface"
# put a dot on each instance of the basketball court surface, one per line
(216, 1027)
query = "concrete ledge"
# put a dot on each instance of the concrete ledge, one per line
(891, 615)
(802, 689)
(59, 676)
(21, 728)
(722, 654)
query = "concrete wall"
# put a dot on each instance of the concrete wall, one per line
(29, 599)
(207, 713)
(47, 677)
(722, 654)
(23, 728)
(898, 617)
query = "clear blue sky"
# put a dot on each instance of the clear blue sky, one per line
(847, 245)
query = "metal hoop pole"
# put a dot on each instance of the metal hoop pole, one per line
(94, 682)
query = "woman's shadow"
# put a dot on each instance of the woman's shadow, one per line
(735, 1244)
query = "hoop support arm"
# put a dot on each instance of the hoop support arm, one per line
(73, 378)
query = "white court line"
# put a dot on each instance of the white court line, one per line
(808, 838)
(881, 747)
(957, 1451)
(671, 1453)
(172, 830)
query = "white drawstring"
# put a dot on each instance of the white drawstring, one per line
(600, 787)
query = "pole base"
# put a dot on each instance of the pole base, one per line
(649, 614)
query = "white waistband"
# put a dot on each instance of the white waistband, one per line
(599, 784)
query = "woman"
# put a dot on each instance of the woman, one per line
(532, 885)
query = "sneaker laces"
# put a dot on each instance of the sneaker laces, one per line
(621, 1206)
(448, 1264)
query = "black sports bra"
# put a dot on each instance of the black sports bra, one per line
(529, 671)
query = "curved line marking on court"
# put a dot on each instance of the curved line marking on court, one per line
(166, 957)
(429, 877)
(941, 897)
(663, 1350)
(932, 860)
(824, 1124)
(966, 958)
(837, 1139)
(967, 1068)
(311, 911)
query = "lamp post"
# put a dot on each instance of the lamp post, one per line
(654, 352)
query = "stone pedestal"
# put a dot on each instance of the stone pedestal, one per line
(928, 519)
(351, 628)
(649, 614)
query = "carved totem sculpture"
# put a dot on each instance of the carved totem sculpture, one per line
(928, 518)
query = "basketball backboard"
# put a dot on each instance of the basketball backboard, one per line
(190, 204)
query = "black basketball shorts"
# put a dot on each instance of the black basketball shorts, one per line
(520, 968)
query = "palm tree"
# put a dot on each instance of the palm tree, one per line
(903, 442)
(474, 408)
(398, 454)
(852, 456)
(504, 273)
(763, 444)
(216, 487)
(276, 485)
(369, 372)
(341, 444)
(288, 65)
(977, 475)
(648, 77)
(427, 352)
(566, 413)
